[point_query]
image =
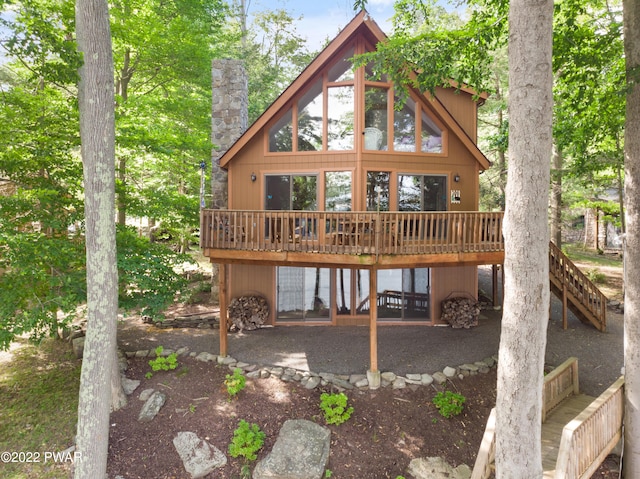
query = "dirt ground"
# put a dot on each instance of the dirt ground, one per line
(387, 429)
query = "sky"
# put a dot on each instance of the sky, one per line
(323, 19)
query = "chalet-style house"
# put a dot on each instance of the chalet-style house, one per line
(348, 206)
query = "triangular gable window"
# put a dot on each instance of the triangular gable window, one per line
(323, 117)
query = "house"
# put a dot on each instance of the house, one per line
(346, 205)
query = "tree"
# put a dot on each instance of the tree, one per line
(526, 299)
(632, 240)
(97, 134)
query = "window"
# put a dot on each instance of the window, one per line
(303, 294)
(404, 294)
(337, 191)
(340, 118)
(422, 193)
(375, 118)
(431, 135)
(310, 119)
(378, 190)
(291, 192)
(404, 126)
(281, 134)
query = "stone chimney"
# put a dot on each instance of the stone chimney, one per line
(229, 120)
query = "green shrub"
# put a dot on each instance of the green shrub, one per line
(595, 276)
(449, 404)
(247, 441)
(235, 383)
(162, 363)
(334, 407)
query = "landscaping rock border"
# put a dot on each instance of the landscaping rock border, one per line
(312, 380)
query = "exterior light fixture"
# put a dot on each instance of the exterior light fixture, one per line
(456, 178)
(253, 176)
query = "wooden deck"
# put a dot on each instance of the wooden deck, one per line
(578, 431)
(361, 239)
(553, 426)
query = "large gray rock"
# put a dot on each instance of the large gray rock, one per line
(199, 458)
(152, 406)
(437, 468)
(300, 452)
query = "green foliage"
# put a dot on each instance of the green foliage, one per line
(334, 407)
(247, 441)
(235, 383)
(163, 363)
(148, 274)
(595, 276)
(448, 403)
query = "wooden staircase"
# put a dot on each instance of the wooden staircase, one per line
(576, 291)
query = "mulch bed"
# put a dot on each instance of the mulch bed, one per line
(387, 429)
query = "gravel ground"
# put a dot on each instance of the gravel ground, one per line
(406, 349)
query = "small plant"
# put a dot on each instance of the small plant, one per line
(247, 441)
(328, 473)
(162, 363)
(235, 383)
(449, 404)
(595, 276)
(335, 408)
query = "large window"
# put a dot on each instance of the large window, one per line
(303, 294)
(323, 117)
(404, 294)
(340, 118)
(378, 190)
(310, 119)
(422, 193)
(337, 191)
(291, 192)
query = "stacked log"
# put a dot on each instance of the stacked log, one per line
(196, 320)
(461, 312)
(247, 313)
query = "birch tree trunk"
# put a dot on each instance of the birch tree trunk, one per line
(632, 240)
(97, 134)
(526, 300)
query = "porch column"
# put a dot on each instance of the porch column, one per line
(373, 375)
(222, 277)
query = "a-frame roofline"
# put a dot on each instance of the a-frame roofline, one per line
(362, 24)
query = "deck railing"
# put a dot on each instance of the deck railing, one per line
(352, 232)
(579, 286)
(586, 440)
(559, 384)
(592, 435)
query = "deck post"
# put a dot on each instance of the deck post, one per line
(565, 325)
(494, 285)
(222, 276)
(373, 375)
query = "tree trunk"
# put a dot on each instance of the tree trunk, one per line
(526, 299)
(556, 197)
(632, 240)
(97, 134)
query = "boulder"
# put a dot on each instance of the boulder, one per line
(437, 468)
(152, 406)
(199, 458)
(301, 451)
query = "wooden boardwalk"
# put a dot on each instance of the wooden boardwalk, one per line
(552, 428)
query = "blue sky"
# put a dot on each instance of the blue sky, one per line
(324, 19)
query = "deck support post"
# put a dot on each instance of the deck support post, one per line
(494, 285)
(373, 375)
(222, 277)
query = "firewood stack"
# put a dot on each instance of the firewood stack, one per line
(461, 312)
(247, 313)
